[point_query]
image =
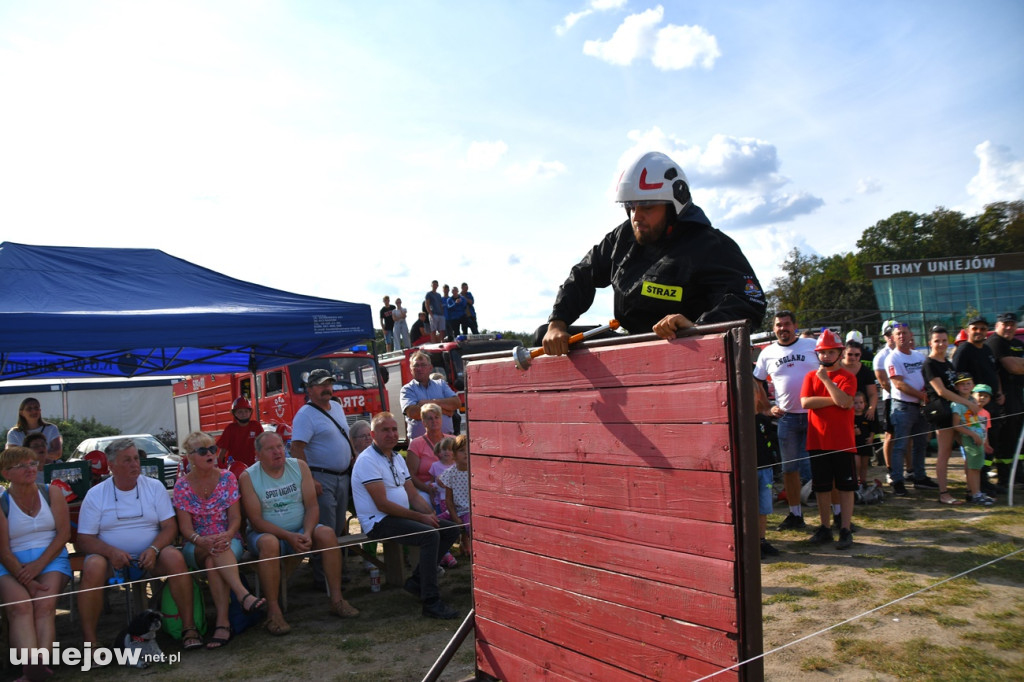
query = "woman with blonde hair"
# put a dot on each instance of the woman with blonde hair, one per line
(206, 502)
(34, 565)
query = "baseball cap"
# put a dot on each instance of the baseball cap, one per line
(855, 336)
(962, 377)
(319, 376)
(888, 326)
(1007, 317)
(978, 319)
(983, 388)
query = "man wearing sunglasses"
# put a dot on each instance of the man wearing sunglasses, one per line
(127, 518)
(668, 267)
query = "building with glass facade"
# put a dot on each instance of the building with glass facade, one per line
(930, 291)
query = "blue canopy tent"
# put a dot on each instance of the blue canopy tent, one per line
(86, 312)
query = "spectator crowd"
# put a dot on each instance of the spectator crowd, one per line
(830, 408)
(443, 315)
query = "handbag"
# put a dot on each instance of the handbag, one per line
(937, 410)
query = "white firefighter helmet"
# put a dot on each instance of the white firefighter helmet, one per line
(654, 177)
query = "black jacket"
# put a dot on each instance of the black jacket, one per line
(695, 270)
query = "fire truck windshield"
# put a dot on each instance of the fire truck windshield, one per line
(349, 373)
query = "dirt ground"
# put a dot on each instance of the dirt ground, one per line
(967, 629)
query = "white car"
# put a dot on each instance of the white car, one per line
(147, 445)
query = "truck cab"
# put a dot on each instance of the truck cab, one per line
(447, 358)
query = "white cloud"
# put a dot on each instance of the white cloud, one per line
(513, 259)
(869, 186)
(572, 18)
(670, 48)
(484, 155)
(1000, 175)
(736, 180)
(541, 170)
(680, 47)
(631, 40)
(766, 248)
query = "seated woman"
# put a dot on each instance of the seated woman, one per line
(30, 421)
(206, 502)
(34, 528)
(421, 451)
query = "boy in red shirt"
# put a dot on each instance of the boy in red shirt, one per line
(239, 438)
(827, 395)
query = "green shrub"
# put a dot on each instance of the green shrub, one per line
(74, 431)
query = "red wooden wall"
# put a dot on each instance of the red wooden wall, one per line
(606, 537)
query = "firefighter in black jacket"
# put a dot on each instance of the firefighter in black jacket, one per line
(669, 268)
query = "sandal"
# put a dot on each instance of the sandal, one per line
(218, 642)
(193, 641)
(277, 627)
(255, 606)
(952, 501)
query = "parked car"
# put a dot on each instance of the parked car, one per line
(147, 445)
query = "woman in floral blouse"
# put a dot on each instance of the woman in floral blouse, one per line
(206, 501)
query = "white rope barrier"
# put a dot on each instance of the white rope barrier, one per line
(858, 616)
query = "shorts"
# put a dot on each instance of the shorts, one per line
(765, 479)
(832, 470)
(793, 443)
(883, 413)
(438, 323)
(252, 539)
(60, 564)
(973, 453)
(189, 552)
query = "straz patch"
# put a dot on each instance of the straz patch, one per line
(662, 291)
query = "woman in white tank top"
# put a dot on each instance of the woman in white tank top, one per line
(34, 529)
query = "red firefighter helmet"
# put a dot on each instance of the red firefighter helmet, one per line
(828, 341)
(241, 403)
(961, 337)
(284, 431)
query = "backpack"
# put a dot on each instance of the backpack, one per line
(5, 499)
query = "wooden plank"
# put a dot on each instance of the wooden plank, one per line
(680, 361)
(616, 648)
(686, 570)
(689, 536)
(704, 447)
(502, 665)
(496, 594)
(686, 604)
(683, 403)
(702, 495)
(557, 659)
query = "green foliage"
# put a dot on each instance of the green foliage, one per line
(74, 431)
(834, 290)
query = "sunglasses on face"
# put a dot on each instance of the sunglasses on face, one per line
(211, 450)
(633, 205)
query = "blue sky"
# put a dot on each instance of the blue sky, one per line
(352, 150)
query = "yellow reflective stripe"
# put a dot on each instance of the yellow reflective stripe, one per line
(663, 291)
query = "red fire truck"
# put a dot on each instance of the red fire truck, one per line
(447, 359)
(203, 402)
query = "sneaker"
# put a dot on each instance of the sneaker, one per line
(925, 483)
(767, 550)
(899, 489)
(888, 477)
(448, 561)
(822, 536)
(440, 572)
(837, 523)
(439, 610)
(845, 539)
(983, 500)
(792, 522)
(992, 489)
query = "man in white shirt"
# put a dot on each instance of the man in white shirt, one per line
(320, 438)
(127, 524)
(904, 367)
(383, 492)
(787, 362)
(885, 404)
